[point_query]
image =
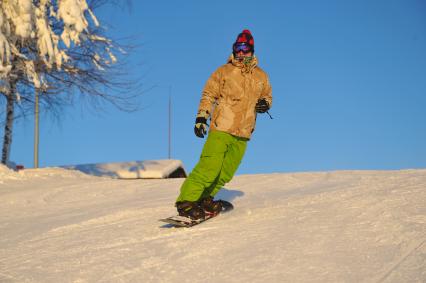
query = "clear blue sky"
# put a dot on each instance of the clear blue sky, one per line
(348, 78)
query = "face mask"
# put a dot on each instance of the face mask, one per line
(247, 60)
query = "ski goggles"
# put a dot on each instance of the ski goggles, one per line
(244, 47)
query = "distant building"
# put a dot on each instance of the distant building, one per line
(148, 169)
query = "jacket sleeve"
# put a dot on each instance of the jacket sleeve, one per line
(267, 91)
(210, 93)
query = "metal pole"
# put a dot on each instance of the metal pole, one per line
(36, 130)
(170, 122)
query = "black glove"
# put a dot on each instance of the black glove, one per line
(262, 106)
(200, 128)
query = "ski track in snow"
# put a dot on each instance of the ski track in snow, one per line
(343, 226)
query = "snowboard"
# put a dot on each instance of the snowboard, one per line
(181, 221)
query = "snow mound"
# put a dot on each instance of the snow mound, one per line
(8, 174)
(52, 172)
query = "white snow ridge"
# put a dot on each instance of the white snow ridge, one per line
(58, 225)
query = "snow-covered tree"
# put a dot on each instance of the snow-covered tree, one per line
(55, 47)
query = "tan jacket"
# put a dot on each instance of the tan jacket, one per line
(231, 94)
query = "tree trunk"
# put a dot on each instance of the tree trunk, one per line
(7, 140)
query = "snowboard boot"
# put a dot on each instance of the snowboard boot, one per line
(211, 206)
(190, 209)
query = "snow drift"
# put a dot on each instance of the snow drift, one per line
(60, 225)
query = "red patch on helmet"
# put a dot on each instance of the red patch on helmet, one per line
(242, 38)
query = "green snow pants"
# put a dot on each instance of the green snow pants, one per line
(220, 158)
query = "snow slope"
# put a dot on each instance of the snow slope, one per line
(344, 226)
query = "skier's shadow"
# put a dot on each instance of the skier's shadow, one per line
(228, 194)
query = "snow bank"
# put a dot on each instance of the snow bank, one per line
(350, 226)
(7, 174)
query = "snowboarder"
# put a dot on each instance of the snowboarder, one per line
(231, 99)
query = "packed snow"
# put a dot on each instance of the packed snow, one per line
(59, 225)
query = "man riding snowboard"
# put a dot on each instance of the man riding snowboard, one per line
(231, 99)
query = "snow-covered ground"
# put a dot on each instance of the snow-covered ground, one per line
(344, 226)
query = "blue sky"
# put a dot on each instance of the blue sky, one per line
(348, 78)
